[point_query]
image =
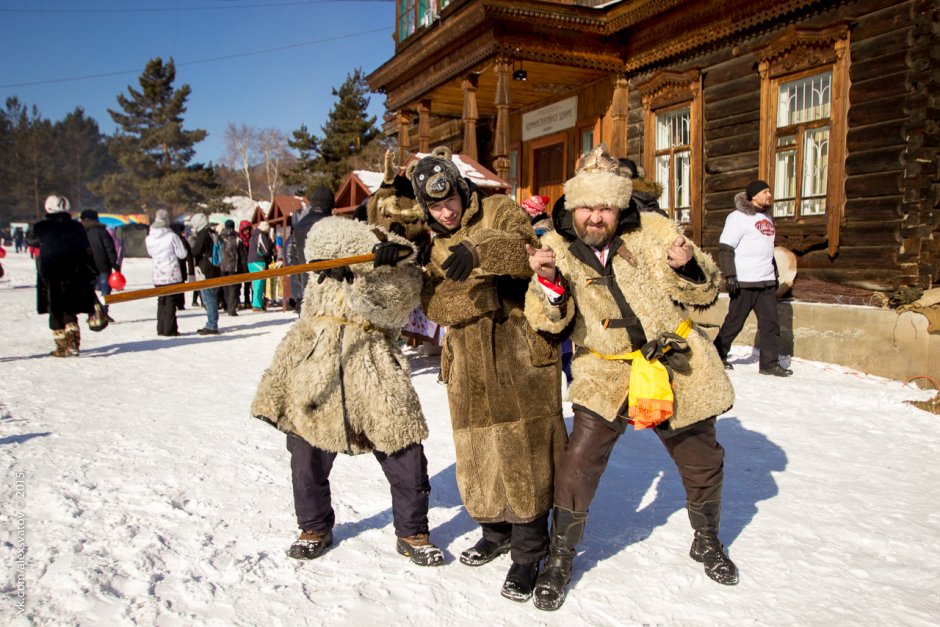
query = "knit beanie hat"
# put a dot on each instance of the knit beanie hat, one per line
(57, 204)
(160, 220)
(436, 177)
(198, 222)
(598, 181)
(89, 214)
(230, 224)
(322, 198)
(754, 188)
(535, 205)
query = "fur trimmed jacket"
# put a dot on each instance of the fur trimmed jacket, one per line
(338, 378)
(503, 378)
(658, 296)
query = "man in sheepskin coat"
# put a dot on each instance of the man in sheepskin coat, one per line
(338, 383)
(503, 378)
(619, 282)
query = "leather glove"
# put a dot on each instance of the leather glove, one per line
(387, 254)
(459, 264)
(343, 273)
(732, 283)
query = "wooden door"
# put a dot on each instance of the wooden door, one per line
(549, 157)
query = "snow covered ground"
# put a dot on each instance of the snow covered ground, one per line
(149, 496)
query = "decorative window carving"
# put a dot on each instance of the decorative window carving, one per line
(804, 105)
(673, 150)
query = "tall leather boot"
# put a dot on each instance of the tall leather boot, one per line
(73, 338)
(61, 345)
(706, 547)
(567, 531)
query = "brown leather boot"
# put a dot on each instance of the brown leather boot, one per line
(61, 345)
(419, 549)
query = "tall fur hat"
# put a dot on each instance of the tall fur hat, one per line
(437, 177)
(598, 181)
(57, 204)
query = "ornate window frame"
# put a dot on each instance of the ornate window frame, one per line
(665, 91)
(797, 53)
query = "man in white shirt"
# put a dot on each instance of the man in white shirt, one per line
(746, 257)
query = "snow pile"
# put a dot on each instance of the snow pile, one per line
(146, 494)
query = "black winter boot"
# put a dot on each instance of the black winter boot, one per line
(706, 547)
(567, 531)
(310, 545)
(520, 581)
(484, 552)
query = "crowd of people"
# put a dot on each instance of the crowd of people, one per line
(597, 286)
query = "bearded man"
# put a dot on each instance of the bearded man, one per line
(619, 282)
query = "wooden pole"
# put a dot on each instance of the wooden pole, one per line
(233, 279)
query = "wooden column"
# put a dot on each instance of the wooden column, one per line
(424, 126)
(470, 115)
(501, 162)
(618, 118)
(404, 139)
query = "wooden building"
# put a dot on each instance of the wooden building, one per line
(832, 102)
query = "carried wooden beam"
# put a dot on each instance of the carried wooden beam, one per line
(233, 279)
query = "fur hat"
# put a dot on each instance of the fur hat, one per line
(628, 167)
(264, 227)
(198, 221)
(436, 177)
(535, 205)
(161, 219)
(58, 204)
(754, 188)
(322, 198)
(598, 181)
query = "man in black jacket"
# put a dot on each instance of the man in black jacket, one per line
(202, 257)
(65, 274)
(319, 207)
(102, 249)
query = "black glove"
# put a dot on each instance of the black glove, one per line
(343, 273)
(460, 263)
(732, 283)
(387, 254)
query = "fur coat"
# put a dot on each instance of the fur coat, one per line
(338, 378)
(503, 378)
(659, 297)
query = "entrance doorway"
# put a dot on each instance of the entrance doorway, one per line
(548, 157)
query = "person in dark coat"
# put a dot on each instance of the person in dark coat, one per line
(187, 271)
(645, 195)
(232, 261)
(65, 274)
(202, 258)
(319, 207)
(260, 255)
(102, 249)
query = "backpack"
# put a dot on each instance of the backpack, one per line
(216, 257)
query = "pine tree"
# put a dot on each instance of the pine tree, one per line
(152, 148)
(303, 172)
(82, 157)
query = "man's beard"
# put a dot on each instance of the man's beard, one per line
(594, 237)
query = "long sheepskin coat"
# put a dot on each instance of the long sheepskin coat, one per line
(338, 378)
(659, 296)
(503, 378)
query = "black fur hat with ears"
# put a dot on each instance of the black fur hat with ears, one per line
(436, 177)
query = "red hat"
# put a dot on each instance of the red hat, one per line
(534, 205)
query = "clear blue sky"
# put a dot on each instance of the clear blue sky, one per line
(265, 63)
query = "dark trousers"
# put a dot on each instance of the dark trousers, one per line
(695, 450)
(763, 301)
(246, 292)
(528, 541)
(166, 314)
(406, 471)
(57, 321)
(230, 294)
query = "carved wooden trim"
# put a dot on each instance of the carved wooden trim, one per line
(667, 87)
(617, 113)
(804, 51)
(469, 85)
(404, 141)
(424, 126)
(502, 100)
